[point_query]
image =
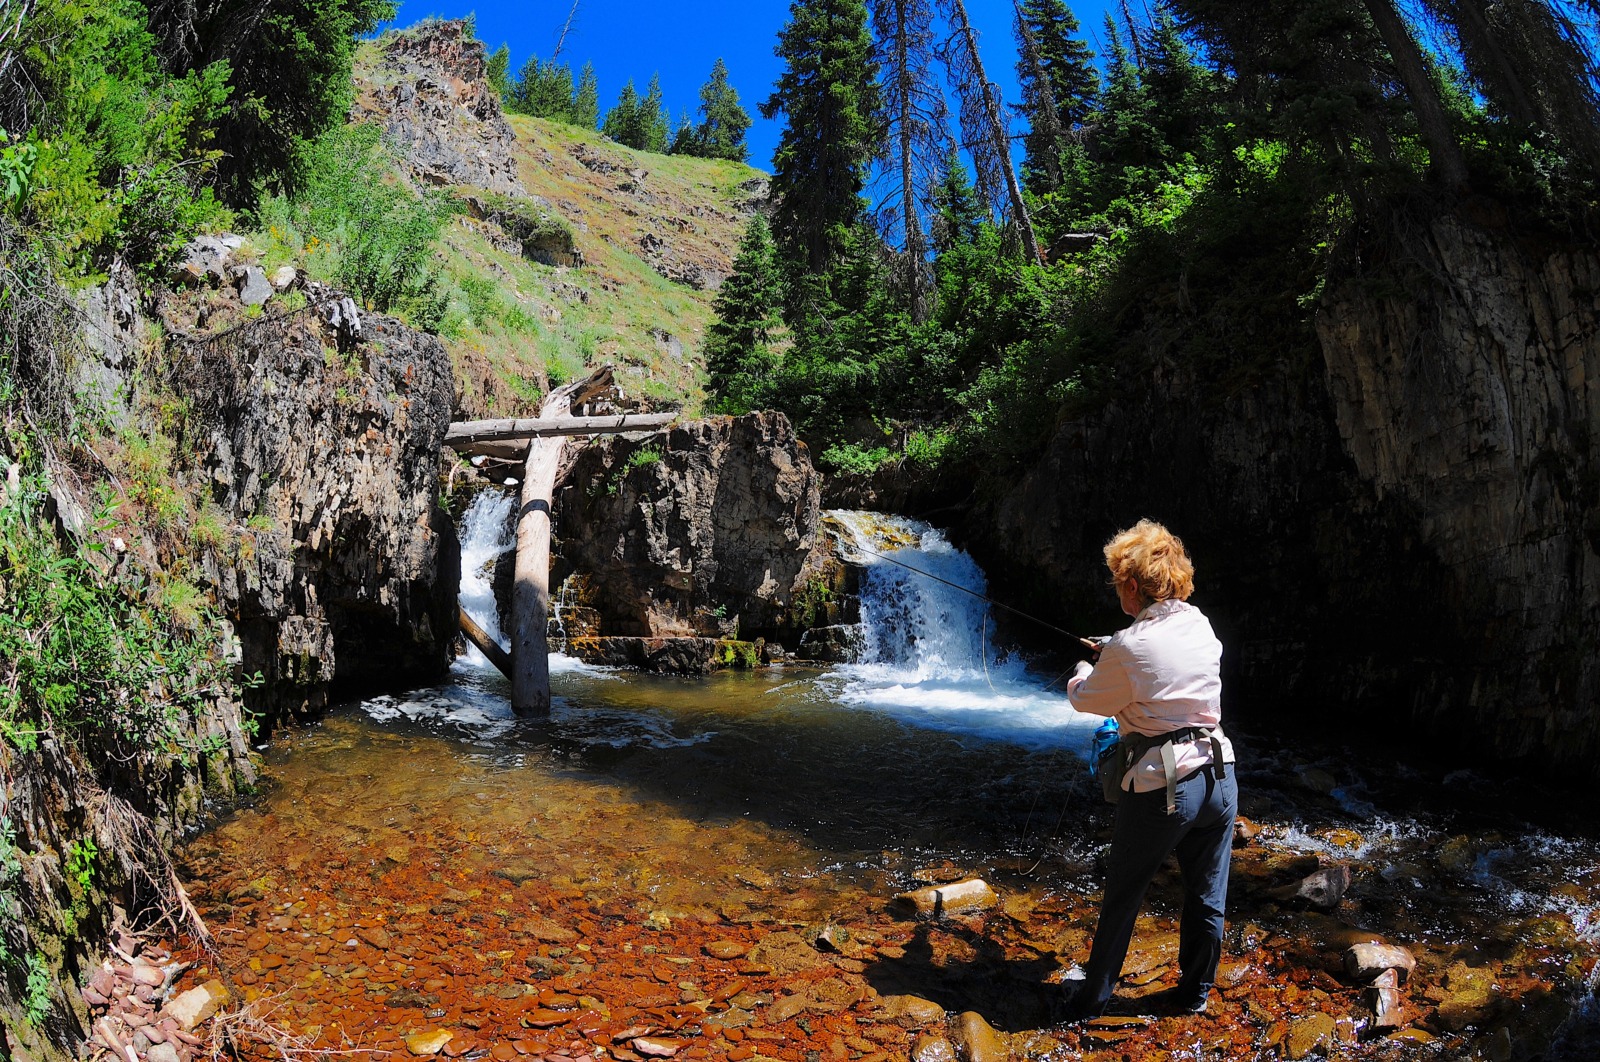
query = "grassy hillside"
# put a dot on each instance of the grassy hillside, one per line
(684, 214)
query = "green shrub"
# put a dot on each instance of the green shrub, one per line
(855, 460)
(643, 457)
(360, 226)
(85, 658)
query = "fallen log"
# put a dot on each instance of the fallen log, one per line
(486, 645)
(530, 593)
(468, 433)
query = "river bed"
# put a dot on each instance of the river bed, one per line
(703, 868)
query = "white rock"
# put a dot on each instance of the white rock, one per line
(191, 1008)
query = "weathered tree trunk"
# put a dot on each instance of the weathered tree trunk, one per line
(530, 593)
(993, 122)
(486, 645)
(464, 436)
(916, 249)
(1444, 151)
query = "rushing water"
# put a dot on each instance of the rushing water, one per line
(592, 864)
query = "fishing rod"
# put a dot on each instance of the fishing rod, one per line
(1092, 646)
(1087, 643)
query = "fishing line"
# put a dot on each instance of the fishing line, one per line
(983, 654)
(965, 590)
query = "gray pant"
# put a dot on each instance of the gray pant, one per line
(1201, 832)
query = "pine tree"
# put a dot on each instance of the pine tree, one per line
(654, 119)
(586, 100)
(828, 96)
(723, 122)
(543, 90)
(1060, 87)
(622, 122)
(738, 356)
(497, 71)
(957, 214)
(684, 139)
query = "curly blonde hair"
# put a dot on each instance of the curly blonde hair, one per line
(1154, 559)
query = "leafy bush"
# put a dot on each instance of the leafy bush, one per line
(852, 459)
(124, 152)
(354, 222)
(83, 657)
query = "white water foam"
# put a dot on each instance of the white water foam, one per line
(486, 533)
(928, 652)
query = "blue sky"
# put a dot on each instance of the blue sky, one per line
(630, 39)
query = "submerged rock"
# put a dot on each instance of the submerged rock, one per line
(1366, 961)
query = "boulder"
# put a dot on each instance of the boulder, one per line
(1308, 1035)
(941, 901)
(977, 1041)
(196, 1005)
(254, 288)
(1321, 889)
(1383, 998)
(930, 1047)
(711, 525)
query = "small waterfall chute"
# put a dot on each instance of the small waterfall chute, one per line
(928, 655)
(486, 535)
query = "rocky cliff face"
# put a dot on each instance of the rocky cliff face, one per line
(430, 90)
(322, 447)
(1400, 522)
(709, 530)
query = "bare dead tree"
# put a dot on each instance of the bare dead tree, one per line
(917, 130)
(983, 125)
(566, 28)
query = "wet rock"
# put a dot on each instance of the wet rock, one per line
(1468, 991)
(191, 1008)
(1314, 1033)
(962, 897)
(910, 1012)
(1322, 889)
(784, 954)
(376, 936)
(1363, 962)
(839, 643)
(977, 1041)
(726, 949)
(932, 1048)
(1244, 831)
(428, 1043)
(832, 938)
(1383, 999)
(1317, 780)
(787, 1007)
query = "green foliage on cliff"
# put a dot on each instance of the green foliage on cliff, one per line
(355, 222)
(82, 659)
(1193, 194)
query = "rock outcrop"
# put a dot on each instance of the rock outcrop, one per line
(1403, 518)
(338, 565)
(709, 530)
(432, 95)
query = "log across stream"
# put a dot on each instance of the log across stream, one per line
(703, 868)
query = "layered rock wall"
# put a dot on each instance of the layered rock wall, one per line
(707, 530)
(342, 568)
(1400, 522)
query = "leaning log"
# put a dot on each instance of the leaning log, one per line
(486, 644)
(530, 594)
(467, 433)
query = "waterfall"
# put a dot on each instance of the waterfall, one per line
(486, 533)
(928, 650)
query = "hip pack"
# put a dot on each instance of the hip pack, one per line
(1130, 748)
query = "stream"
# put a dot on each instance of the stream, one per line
(702, 868)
